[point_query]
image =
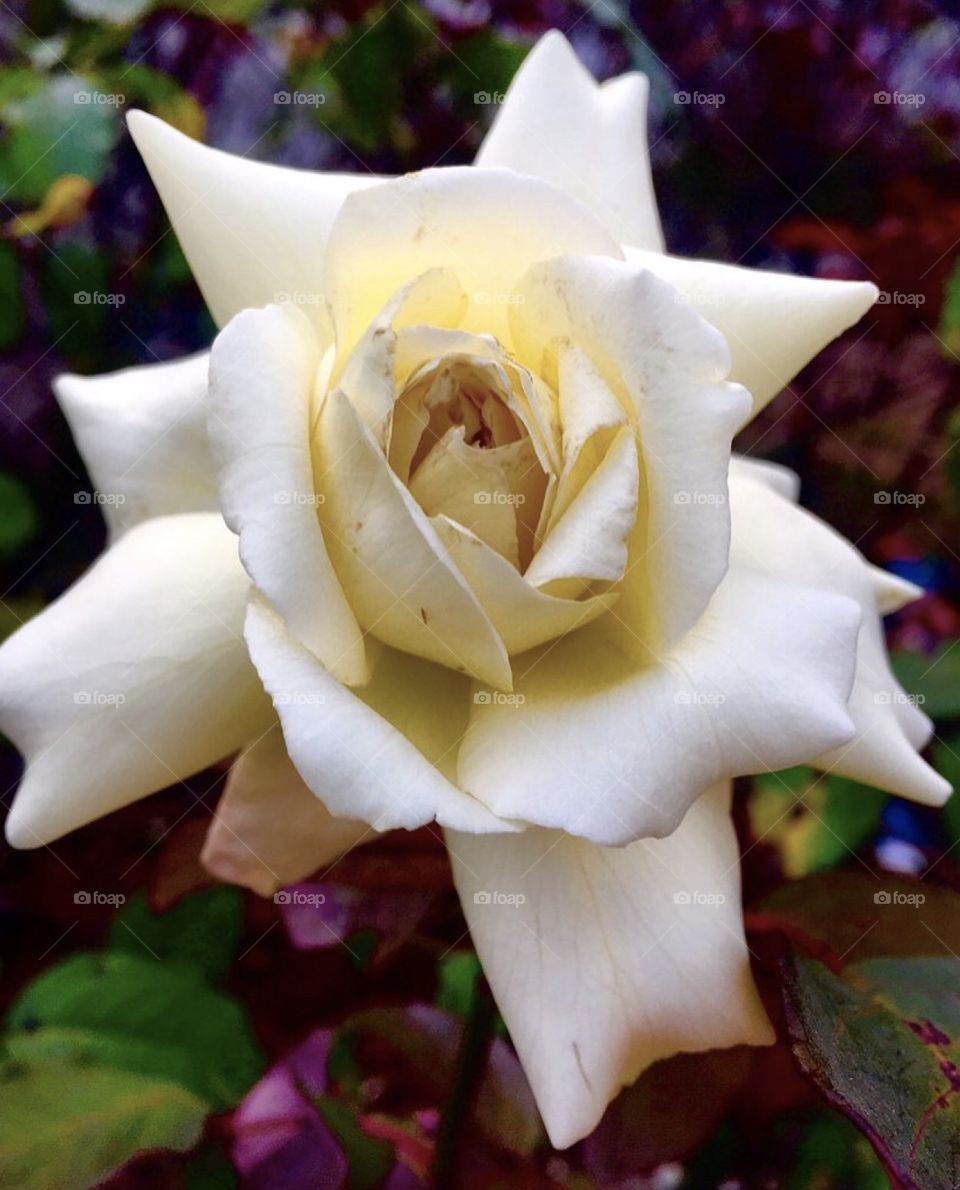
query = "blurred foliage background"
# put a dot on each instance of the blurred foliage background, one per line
(362, 1048)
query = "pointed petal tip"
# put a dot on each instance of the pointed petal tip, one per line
(20, 835)
(893, 592)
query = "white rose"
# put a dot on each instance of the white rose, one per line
(498, 571)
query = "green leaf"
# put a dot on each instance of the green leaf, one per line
(241, 11)
(946, 760)
(67, 1126)
(20, 522)
(63, 126)
(859, 916)
(833, 1155)
(12, 316)
(79, 302)
(948, 330)
(370, 1159)
(814, 820)
(881, 1042)
(202, 930)
(140, 1015)
(458, 974)
(933, 677)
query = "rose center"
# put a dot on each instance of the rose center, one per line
(460, 441)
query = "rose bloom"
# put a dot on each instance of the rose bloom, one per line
(470, 437)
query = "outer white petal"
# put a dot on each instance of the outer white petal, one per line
(666, 365)
(135, 678)
(397, 574)
(775, 323)
(777, 536)
(781, 479)
(143, 435)
(378, 755)
(611, 743)
(264, 366)
(556, 123)
(486, 225)
(269, 829)
(599, 971)
(250, 231)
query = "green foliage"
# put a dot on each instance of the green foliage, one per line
(369, 1159)
(815, 821)
(141, 1015)
(65, 1125)
(19, 522)
(53, 126)
(458, 975)
(934, 678)
(833, 1155)
(949, 329)
(11, 308)
(126, 1049)
(881, 1040)
(202, 931)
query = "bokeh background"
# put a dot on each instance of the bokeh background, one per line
(359, 1040)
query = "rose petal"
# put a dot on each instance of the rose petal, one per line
(487, 225)
(379, 755)
(590, 141)
(775, 323)
(134, 679)
(666, 366)
(607, 741)
(250, 231)
(590, 416)
(783, 481)
(142, 433)
(263, 369)
(589, 541)
(269, 829)
(523, 616)
(369, 376)
(398, 577)
(604, 967)
(774, 535)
